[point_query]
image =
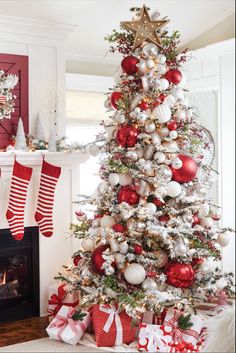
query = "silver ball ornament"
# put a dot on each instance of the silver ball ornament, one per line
(149, 284)
(176, 163)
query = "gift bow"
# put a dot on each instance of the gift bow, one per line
(152, 333)
(176, 331)
(62, 321)
(113, 313)
(57, 300)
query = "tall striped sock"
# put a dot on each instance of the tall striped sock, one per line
(18, 192)
(44, 211)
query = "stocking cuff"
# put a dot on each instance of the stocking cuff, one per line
(21, 171)
(51, 170)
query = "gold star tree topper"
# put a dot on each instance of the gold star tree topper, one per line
(144, 28)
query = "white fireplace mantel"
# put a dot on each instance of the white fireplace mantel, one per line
(57, 250)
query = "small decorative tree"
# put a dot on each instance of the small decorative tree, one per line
(20, 144)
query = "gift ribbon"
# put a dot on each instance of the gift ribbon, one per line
(177, 332)
(57, 300)
(61, 322)
(151, 332)
(113, 313)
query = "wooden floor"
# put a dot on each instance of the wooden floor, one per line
(22, 331)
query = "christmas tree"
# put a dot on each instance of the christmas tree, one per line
(20, 144)
(154, 241)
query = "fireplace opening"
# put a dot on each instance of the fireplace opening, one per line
(19, 275)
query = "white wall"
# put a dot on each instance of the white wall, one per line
(212, 68)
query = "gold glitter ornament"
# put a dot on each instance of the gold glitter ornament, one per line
(145, 29)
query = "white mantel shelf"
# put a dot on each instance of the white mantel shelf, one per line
(35, 158)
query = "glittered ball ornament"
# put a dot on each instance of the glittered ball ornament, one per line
(174, 76)
(187, 172)
(138, 249)
(128, 194)
(135, 274)
(98, 260)
(127, 136)
(107, 221)
(143, 105)
(223, 239)
(180, 275)
(149, 284)
(172, 125)
(129, 65)
(159, 157)
(87, 244)
(115, 97)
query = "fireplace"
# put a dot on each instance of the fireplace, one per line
(19, 275)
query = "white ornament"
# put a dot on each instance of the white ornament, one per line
(114, 245)
(161, 191)
(87, 244)
(223, 239)
(173, 134)
(164, 84)
(207, 222)
(203, 210)
(119, 118)
(94, 150)
(150, 127)
(150, 49)
(142, 65)
(123, 248)
(156, 138)
(173, 189)
(161, 69)
(149, 284)
(180, 249)
(159, 157)
(135, 274)
(151, 208)
(164, 132)
(113, 178)
(162, 58)
(170, 146)
(150, 63)
(145, 83)
(162, 113)
(180, 114)
(125, 179)
(107, 221)
(176, 163)
(170, 100)
(178, 93)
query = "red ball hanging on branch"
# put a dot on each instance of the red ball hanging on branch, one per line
(127, 136)
(174, 76)
(98, 260)
(129, 65)
(172, 125)
(196, 220)
(120, 228)
(180, 275)
(115, 97)
(197, 262)
(187, 172)
(143, 105)
(138, 249)
(158, 203)
(164, 218)
(128, 194)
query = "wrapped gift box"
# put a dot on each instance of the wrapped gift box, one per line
(64, 328)
(151, 318)
(58, 296)
(111, 327)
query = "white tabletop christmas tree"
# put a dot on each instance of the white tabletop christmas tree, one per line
(20, 144)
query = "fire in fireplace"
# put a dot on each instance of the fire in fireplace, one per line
(19, 275)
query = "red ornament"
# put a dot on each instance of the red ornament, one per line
(138, 249)
(162, 97)
(98, 215)
(76, 260)
(174, 76)
(172, 125)
(164, 218)
(180, 275)
(151, 274)
(158, 203)
(196, 219)
(128, 194)
(127, 136)
(197, 261)
(129, 65)
(98, 260)
(118, 227)
(115, 96)
(143, 105)
(187, 172)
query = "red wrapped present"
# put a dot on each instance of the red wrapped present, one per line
(58, 296)
(172, 326)
(112, 327)
(150, 318)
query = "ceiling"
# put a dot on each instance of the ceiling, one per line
(96, 18)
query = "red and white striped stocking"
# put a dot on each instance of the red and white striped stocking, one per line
(44, 211)
(18, 192)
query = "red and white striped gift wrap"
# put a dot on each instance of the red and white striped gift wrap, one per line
(2, 100)
(112, 327)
